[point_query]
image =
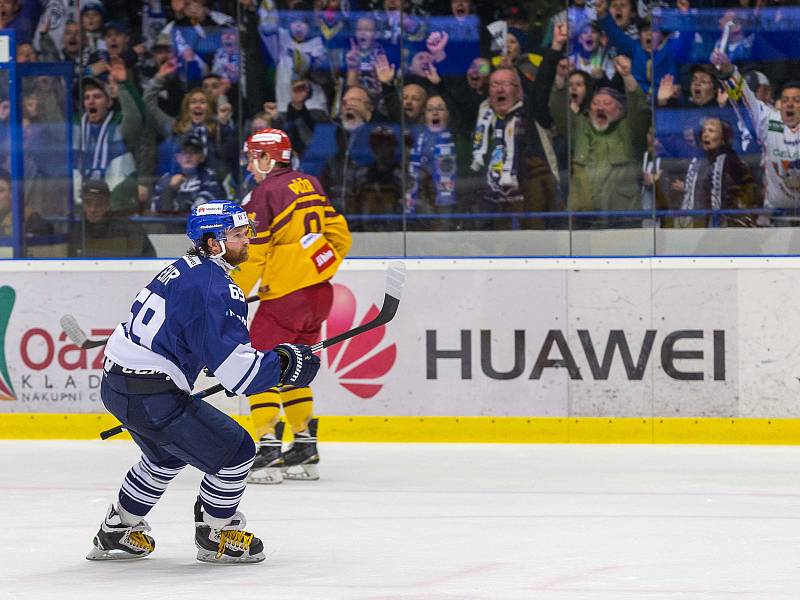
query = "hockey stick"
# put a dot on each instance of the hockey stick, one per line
(78, 336)
(395, 280)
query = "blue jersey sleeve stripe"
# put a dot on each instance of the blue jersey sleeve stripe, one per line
(250, 375)
(236, 366)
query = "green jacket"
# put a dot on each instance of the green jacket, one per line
(606, 166)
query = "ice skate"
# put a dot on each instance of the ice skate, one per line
(301, 458)
(269, 459)
(117, 541)
(228, 545)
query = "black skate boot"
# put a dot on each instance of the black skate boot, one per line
(301, 458)
(269, 459)
(117, 541)
(227, 545)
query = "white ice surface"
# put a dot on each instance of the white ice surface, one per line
(428, 522)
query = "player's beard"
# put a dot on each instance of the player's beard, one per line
(236, 257)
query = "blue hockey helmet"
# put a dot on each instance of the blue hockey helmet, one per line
(215, 217)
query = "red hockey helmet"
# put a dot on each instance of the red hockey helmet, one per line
(272, 142)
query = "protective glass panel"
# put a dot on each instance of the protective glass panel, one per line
(726, 138)
(6, 217)
(46, 160)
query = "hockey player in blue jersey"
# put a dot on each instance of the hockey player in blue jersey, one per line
(189, 317)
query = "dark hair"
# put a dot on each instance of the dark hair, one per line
(5, 176)
(588, 82)
(791, 84)
(727, 131)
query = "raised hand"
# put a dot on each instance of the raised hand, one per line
(560, 36)
(666, 89)
(722, 62)
(384, 70)
(436, 43)
(168, 69)
(99, 68)
(432, 74)
(118, 71)
(622, 64)
(722, 97)
(300, 90)
(353, 56)
(271, 109)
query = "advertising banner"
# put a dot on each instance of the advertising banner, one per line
(538, 338)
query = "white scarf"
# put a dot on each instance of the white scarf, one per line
(691, 187)
(484, 128)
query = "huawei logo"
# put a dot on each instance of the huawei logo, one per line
(358, 362)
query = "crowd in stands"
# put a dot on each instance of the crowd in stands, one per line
(419, 114)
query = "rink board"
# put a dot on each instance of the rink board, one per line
(518, 350)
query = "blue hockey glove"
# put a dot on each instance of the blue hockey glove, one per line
(298, 365)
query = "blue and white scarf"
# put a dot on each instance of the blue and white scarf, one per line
(435, 154)
(97, 147)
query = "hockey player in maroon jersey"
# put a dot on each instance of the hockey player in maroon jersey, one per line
(299, 244)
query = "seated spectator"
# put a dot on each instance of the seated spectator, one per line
(432, 167)
(101, 232)
(607, 146)
(5, 204)
(717, 180)
(193, 184)
(378, 188)
(103, 140)
(34, 223)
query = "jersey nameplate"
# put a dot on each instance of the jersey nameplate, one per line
(192, 261)
(171, 272)
(301, 185)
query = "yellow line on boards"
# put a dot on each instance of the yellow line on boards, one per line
(556, 430)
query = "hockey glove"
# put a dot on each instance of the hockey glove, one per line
(298, 365)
